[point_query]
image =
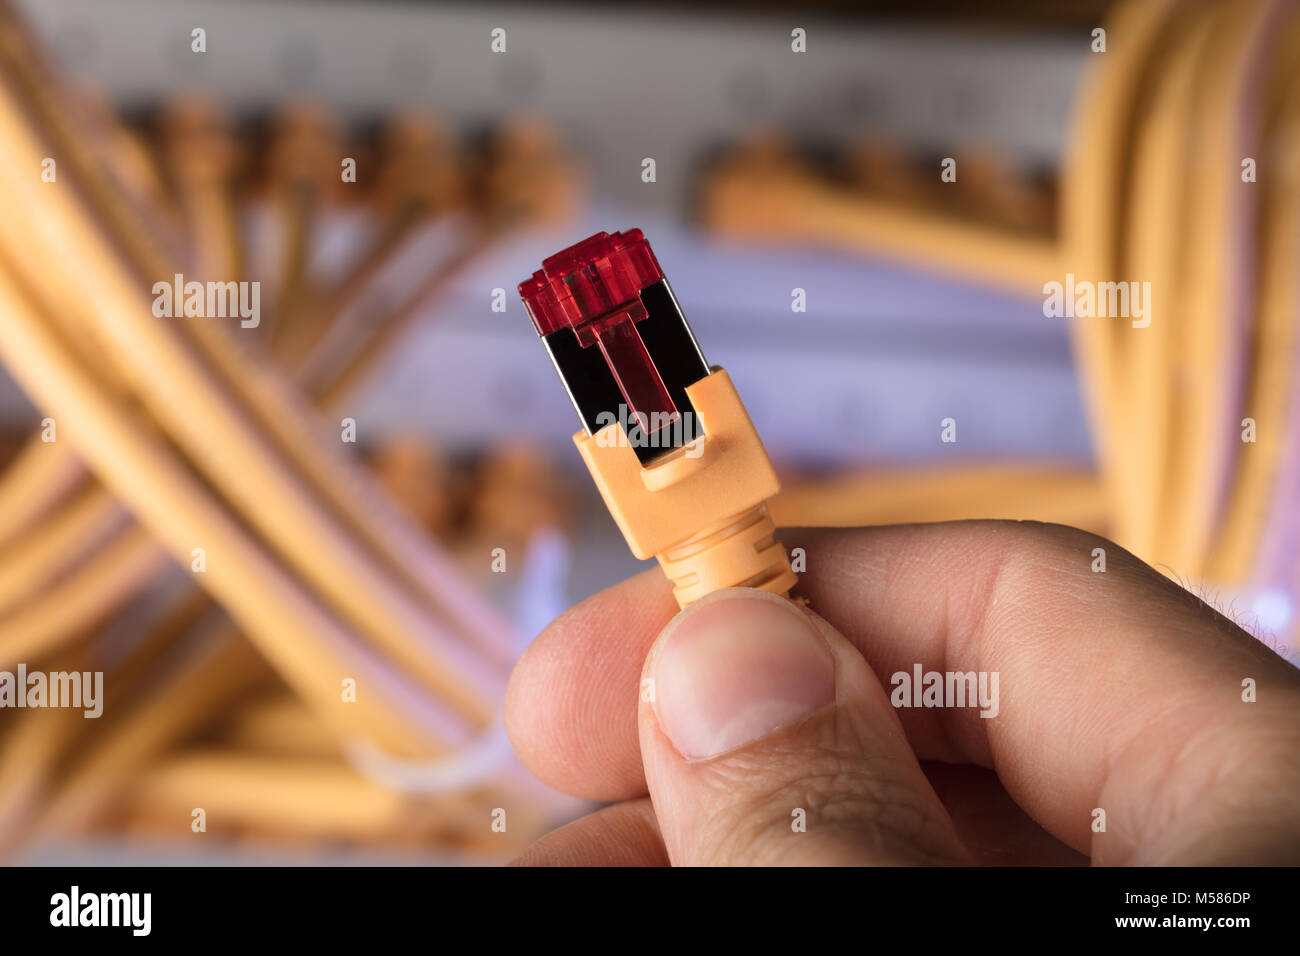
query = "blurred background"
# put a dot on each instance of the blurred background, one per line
(304, 543)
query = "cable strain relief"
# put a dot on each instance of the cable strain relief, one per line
(740, 551)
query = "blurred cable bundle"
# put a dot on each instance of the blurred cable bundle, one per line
(346, 637)
(1181, 173)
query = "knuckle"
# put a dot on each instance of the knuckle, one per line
(851, 812)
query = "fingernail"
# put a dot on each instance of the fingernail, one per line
(735, 667)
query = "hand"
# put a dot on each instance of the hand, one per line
(771, 737)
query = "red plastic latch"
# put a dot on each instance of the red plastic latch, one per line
(594, 287)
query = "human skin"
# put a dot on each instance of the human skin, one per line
(1119, 691)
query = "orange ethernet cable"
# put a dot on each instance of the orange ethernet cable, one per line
(58, 620)
(302, 183)
(261, 395)
(419, 182)
(665, 436)
(33, 483)
(27, 631)
(201, 158)
(252, 793)
(1158, 234)
(31, 750)
(425, 569)
(527, 180)
(296, 632)
(763, 192)
(1215, 326)
(245, 376)
(159, 717)
(1012, 490)
(368, 515)
(1247, 547)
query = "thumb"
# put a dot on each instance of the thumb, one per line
(767, 739)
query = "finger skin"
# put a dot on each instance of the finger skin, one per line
(993, 829)
(835, 786)
(1119, 690)
(570, 708)
(625, 834)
